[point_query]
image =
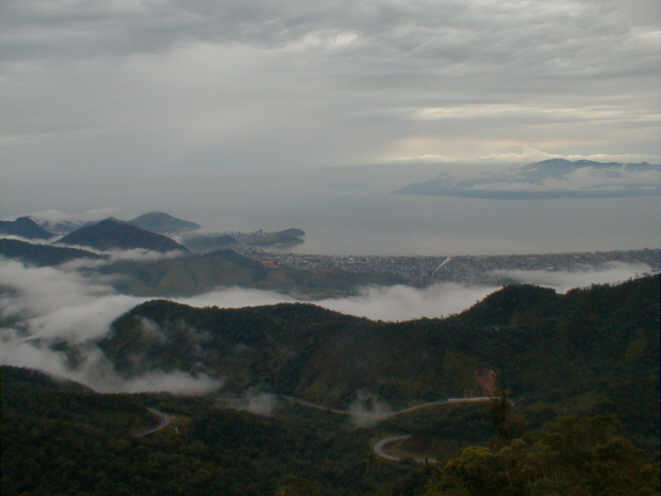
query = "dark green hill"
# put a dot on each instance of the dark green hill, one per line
(593, 350)
(24, 227)
(207, 243)
(187, 275)
(286, 237)
(59, 441)
(82, 443)
(114, 234)
(41, 255)
(162, 223)
(196, 274)
(20, 378)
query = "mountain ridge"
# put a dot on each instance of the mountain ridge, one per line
(544, 347)
(551, 178)
(24, 227)
(163, 223)
(111, 233)
(42, 254)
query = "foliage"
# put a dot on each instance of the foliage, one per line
(572, 455)
(590, 351)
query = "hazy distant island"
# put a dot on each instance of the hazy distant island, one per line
(554, 178)
(195, 262)
(208, 242)
(163, 223)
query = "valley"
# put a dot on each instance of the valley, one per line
(154, 381)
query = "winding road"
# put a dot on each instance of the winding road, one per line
(378, 447)
(381, 444)
(386, 415)
(164, 419)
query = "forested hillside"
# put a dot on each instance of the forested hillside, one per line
(579, 414)
(61, 439)
(589, 351)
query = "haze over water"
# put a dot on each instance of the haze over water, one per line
(353, 210)
(389, 224)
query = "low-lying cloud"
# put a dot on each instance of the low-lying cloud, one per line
(368, 410)
(399, 302)
(117, 255)
(40, 306)
(56, 303)
(95, 370)
(563, 281)
(258, 403)
(44, 305)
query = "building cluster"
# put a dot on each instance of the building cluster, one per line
(425, 270)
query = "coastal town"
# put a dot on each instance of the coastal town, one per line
(422, 271)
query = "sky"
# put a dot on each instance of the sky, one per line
(95, 92)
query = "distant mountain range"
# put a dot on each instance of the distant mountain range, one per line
(163, 223)
(206, 243)
(554, 178)
(60, 227)
(157, 222)
(24, 227)
(115, 234)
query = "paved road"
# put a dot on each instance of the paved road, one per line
(379, 450)
(379, 447)
(316, 406)
(164, 420)
(386, 415)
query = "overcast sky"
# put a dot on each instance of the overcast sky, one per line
(104, 89)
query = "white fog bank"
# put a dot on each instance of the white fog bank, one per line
(39, 306)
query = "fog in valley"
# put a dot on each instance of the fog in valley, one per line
(42, 306)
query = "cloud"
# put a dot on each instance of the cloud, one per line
(258, 403)
(184, 89)
(390, 303)
(42, 306)
(56, 303)
(53, 215)
(404, 302)
(236, 298)
(177, 382)
(95, 371)
(46, 305)
(20, 238)
(563, 281)
(133, 254)
(585, 179)
(368, 410)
